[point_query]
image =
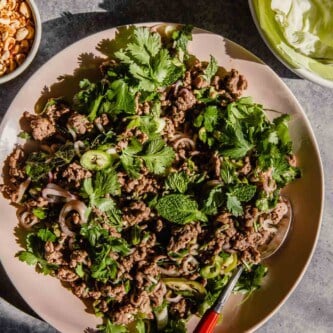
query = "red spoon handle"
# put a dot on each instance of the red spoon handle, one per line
(208, 322)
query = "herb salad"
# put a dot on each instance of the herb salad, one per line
(148, 189)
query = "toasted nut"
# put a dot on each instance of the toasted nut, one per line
(31, 33)
(25, 10)
(12, 65)
(2, 69)
(11, 4)
(11, 30)
(24, 46)
(16, 24)
(4, 35)
(20, 58)
(21, 34)
(3, 4)
(9, 43)
(16, 49)
(5, 55)
(5, 20)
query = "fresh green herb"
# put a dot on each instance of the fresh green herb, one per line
(112, 328)
(211, 69)
(39, 212)
(157, 156)
(179, 208)
(24, 135)
(175, 326)
(214, 201)
(149, 64)
(46, 235)
(177, 181)
(104, 183)
(37, 165)
(251, 280)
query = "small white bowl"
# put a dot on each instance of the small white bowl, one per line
(302, 72)
(34, 48)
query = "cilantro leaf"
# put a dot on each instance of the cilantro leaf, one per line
(28, 257)
(123, 99)
(234, 205)
(112, 328)
(180, 41)
(147, 62)
(31, 259)
(157, 156)
(180, 209)
(211, 69)
(39, 212)
(46, 235)
(96, 188)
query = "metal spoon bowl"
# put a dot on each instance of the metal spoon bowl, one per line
(210, 318)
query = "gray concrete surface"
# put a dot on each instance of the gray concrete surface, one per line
(310, 308)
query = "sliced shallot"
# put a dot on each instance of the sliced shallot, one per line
(73, 205)
(54, 193)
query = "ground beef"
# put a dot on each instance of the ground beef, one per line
(54, 111)
(124, 314)
(183, 236)
(15, 163)
(102, 120)
(138, 187)
(115, 292)
(79, 123)
(75, 174)
(66, 275)
(42, 128)
(235, 83)
(185, 100)
(180, 309)
(136, 213)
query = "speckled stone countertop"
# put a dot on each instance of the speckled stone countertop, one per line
(309, 309)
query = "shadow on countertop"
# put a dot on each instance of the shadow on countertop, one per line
(232, 19)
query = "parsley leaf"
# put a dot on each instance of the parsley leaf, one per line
(180, 209)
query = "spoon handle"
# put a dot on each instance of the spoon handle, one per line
(210, 318)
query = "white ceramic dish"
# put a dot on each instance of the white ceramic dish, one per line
(302, 72)
(59, 306)
(34, 48)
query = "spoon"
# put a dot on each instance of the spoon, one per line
(210, 318)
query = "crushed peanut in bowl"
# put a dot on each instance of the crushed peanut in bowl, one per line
(19, 36)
